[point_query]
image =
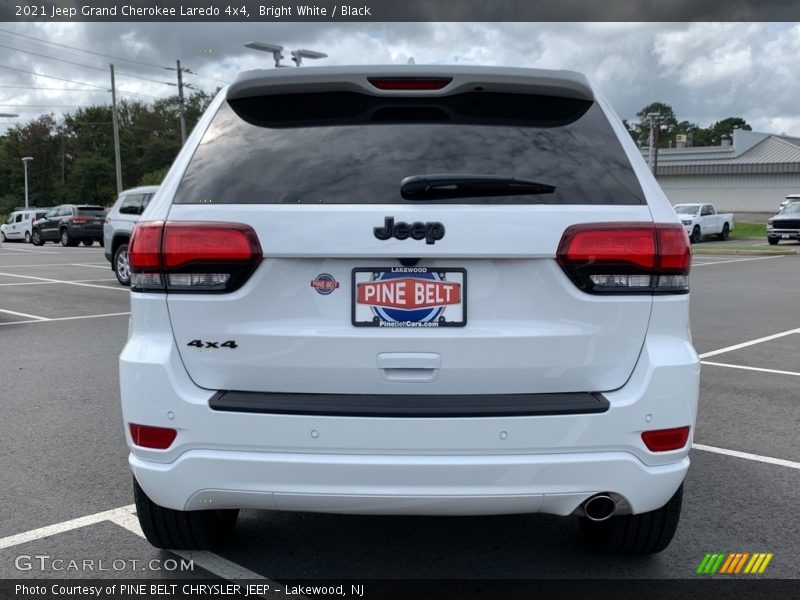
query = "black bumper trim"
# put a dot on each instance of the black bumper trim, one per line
(388, 405)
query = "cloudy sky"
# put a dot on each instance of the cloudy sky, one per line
(705, 71)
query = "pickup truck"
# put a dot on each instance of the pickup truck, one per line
(702, 219)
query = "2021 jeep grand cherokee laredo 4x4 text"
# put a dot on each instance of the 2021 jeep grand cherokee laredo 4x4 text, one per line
(410, 290)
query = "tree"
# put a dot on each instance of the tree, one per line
(725, 128)
(154, 177)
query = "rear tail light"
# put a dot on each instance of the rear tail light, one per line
(192, 256)
(79, 219)
(410, 83)
(627, 258)
(663, 440)
(147, 436)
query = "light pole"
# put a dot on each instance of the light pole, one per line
(277, 53)
(25, 164)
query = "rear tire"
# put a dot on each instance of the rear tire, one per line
(66, 238)
(36, 238)
(773, 241)
(122, 268)
(182, 529)
(726, 231)
(645, 533)
(696, 235)
(27, 237)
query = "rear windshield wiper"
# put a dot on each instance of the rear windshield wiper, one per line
(454, 185)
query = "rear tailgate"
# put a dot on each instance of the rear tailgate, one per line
(317, 177)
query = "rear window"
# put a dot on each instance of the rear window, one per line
(90, 210)
(132, 204)
(349, 148)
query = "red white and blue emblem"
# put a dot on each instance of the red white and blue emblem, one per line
(324, 283)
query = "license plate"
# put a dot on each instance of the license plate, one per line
(409, 297)
(785, 236)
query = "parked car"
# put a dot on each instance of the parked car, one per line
(19, 224)
(790, 199)
(701, 220)
(389, 290)
(70, 224)
(126, 211)
(785, 225)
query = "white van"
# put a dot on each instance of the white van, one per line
(18, 225)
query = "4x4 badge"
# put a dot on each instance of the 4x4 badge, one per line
(430, 231)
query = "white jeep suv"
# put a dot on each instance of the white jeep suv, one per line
(410, 290)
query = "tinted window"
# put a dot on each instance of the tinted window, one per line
(19, 218)
(132, 205)
(145, 202)
(64, 211)
(52, 213)
(350, 148)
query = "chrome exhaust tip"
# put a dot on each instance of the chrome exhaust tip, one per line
(599, 507)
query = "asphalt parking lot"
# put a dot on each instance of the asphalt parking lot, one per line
(66, 489)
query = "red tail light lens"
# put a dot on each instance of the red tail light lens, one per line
(625, 258)
(410, 83)
(192, 256)
(79, 219)
(663, 440)
(147, 436)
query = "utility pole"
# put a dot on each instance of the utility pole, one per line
(652, 155)
(116, 131)
(182, 106)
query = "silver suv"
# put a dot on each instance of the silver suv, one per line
(117, 229)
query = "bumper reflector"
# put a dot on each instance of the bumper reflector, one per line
(147, 436)
(663, 440)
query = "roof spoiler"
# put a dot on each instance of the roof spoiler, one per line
(460, 79)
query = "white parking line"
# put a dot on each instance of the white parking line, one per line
(107, 266)
(125, 517)
(774, 336)
(48, 320)
(5, 247)
(43, 532)
(53, 265)
(52, 282)
(729, 366)
(746, 455)
(91, 285)
(735, 260)
(19, 314)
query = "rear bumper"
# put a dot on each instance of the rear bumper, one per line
(384, 464)
(386, 484)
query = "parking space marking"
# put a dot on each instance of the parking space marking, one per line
(106, 266)
(43, 532)
(19, 314)
(91, 285)
(774, 336)
(48, 320)
(29, 251)
(781, 462)
(762, 370)
(52, 265)
(735, 260)
(52, 282)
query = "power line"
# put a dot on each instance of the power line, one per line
(206, 76)
(85, 66)
(119, 58)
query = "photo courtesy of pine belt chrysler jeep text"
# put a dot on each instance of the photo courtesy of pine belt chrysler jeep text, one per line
(410, 290)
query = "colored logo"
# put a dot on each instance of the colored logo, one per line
(396, 296)
(324, 283)
(734, 563)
